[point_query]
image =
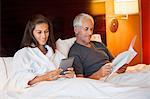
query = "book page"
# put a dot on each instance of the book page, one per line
(123, 58)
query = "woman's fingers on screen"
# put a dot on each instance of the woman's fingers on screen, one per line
(70, 69)
(69, 72)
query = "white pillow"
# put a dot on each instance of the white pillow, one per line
(8, 62)
(3, 73)
(57, 58)
(63, 46)
(96, 37)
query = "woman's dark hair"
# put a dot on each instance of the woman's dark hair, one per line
(28, 38)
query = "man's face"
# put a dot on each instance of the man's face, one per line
(85, 32)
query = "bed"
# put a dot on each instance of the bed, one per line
(133, 84)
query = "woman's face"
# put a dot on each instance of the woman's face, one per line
(41, 33)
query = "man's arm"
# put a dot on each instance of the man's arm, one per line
(80, 75)
(102, 72)
(97, 75)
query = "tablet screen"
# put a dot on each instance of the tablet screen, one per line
(67, 62)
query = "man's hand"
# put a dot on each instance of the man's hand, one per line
(102, 72)
(106, 69)
(122, 69)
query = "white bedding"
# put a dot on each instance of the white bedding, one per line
(134, 84)
(84, 89)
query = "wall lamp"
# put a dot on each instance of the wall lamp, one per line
(123, 8)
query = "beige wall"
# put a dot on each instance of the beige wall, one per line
(119, 41)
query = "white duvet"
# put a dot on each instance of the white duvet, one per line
(134, 84)
(81, 88)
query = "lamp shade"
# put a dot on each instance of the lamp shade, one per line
(122, 7)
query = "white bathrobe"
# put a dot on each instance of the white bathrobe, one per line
(29, 62)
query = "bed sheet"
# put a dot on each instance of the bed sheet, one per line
(134, 84)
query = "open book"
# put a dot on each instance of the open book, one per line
(123, 58)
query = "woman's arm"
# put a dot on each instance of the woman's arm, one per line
(52, 75)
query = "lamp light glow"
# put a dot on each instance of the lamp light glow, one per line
(126, 7)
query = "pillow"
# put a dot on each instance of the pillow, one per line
(8, 62)
(138, 67)
(3, 73)
(63, 46)
(57, 58)
(96, 37)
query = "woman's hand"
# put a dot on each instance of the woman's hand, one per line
(69, 73)
(52, 75)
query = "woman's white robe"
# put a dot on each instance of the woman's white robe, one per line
(29, 62)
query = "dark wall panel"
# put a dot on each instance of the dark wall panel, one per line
(15, 14)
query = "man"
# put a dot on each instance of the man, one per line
(92, 59)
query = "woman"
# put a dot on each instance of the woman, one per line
(35, 60)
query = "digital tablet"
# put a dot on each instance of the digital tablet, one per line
(66, 63)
